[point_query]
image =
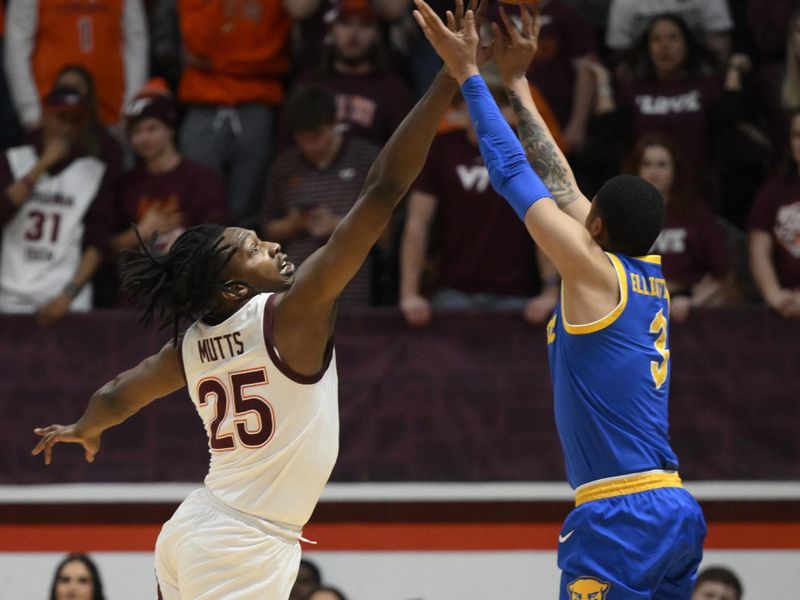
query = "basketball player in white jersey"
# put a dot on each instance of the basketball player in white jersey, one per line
(260, 368)
(52, 216)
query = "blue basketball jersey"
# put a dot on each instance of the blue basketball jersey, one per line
(611, 379)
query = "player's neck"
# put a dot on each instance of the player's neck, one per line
(165, 162)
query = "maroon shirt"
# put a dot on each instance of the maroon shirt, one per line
(777, 211)
(484, 247)
(691, 246)
(373, 104)
(295, 182)
(680, 109)
(192, 188)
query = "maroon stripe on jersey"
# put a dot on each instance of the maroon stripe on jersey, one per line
(269, 342)
(180, 360)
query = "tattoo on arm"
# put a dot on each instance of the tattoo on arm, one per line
(543, 155)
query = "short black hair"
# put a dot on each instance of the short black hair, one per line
(720, 575)
(309, 108)
(633, 214)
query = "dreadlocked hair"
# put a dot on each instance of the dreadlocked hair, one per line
(180, 284)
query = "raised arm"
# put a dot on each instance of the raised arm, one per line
(120, 398)
(565, 241)
(514, 52)
(321, 279)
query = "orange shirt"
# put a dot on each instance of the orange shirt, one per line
(240, 49)
(82, 32)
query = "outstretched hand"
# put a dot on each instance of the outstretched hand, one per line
(64, 433)
(457, 44)
(516, 47)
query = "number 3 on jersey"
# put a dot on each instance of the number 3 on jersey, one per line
(241, 405)
(658, 369)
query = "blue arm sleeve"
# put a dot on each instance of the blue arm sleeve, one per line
(511, 175)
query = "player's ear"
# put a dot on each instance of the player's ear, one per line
(235, 291)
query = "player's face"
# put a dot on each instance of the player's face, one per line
(74, 582)
(667, 47)
(259, 263)
(714, 590)
(354, 38)
(794, 138)
(150, 137)
(657, 169)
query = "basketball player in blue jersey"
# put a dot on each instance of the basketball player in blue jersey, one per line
(635, 533)
(258, 363)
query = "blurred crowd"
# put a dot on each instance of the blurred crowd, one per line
(77, 577)
(123, 120)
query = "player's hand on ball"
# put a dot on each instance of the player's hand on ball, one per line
(64, 433)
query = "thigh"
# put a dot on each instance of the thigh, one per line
(626, 547)
(169, 540)
(226, 558)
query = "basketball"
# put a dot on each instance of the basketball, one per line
(518, 2)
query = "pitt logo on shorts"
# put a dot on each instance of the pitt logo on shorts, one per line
(587, 588)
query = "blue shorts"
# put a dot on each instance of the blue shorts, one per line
(645, 545)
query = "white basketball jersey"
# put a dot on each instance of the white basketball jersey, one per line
(273, 434)
(41, 247)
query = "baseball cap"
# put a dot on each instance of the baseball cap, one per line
(65, 98)
(351, 8)
(154, 100)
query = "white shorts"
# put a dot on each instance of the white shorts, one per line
(208, 550)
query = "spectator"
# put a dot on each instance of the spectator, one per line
(109, 39)
(779, 88)
(691, 245)
(327, 593)
(9, 124)
(566, 39)
(308, 579)
(312, 18)
(166, 193)
(486, 259)
(671, 90)
(710, 19)
(95, 138)
(54, 215)
(774, 234)
(717, 583)
(96, 141)
(314, 183)
(77, 578)
(370, 97)
(770, 21)
(235, 57)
